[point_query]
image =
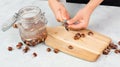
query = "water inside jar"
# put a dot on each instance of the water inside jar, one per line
(34, 31)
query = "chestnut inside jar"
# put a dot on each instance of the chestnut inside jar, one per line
(38, 38)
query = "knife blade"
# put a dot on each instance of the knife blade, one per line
(65, 24)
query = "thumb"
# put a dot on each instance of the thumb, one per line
(81, 25)
(71, 21)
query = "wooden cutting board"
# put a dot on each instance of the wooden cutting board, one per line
(87, 48)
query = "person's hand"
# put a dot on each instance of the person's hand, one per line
(60, 11)
(83, 15)
(82, 19)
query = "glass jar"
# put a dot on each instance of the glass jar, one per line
(32, 25)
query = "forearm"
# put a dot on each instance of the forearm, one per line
(52, 2)
(93, 4)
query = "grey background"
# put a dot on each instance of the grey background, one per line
(105, 19)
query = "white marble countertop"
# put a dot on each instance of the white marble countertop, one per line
(105, 19)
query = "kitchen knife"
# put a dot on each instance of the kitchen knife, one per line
(65, 24)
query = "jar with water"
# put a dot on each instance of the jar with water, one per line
(32, 25)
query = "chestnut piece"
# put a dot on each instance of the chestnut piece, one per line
(48, 49)
(83, 35)
(27, 43)
(10, 48)
(15, 25)
(78, 34)
(76, 37)
(106, 51)
(90, 33)
(113, 46)
(117, 51)
(119, 43)
(108, 47)
(34, 54)
(34, 42)
(31, 42)
(39, 37)
(25, 50)
(56, 50)
(70, 47)
(26, 47)
(19, 45)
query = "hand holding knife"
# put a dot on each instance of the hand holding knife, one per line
(64, 20)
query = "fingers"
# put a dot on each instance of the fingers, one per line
(58, 16)
(62, 14)
(81, 25)
(71, 21)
